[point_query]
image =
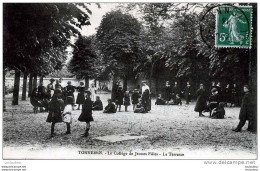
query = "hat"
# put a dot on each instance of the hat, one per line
(52, 80)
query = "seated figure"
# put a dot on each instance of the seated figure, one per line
(110, 108)
(97, 105)
(160, 101)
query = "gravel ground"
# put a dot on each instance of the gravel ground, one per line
(176, 129)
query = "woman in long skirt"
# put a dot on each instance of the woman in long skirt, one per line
(201, 103)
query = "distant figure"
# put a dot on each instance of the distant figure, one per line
(175, 90)
(97, 105)
(201, 103)
(58, 85)
(234, 92)
(176, 100)
(218, 112)
(135, 98)
(119, 98)
(146, 99)
(167, 92)
(50, 88)
(187, 93)
(126, 100)
(93, 90)
(110, 108)
(160, 101)
(247, 112)
(70, 91)
(214, 100)
(80, 97)
(140, 108)
(86, 114)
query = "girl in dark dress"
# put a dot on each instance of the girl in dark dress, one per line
(86, 114)
(201, 103)
(80, 98)
(56, 107)
(167, 92)
(119, 98)
(126, 100)
(135, 98)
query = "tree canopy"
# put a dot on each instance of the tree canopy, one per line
(36, 35)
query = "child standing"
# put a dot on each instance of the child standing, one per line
(126, 100)
(135, 98)
(80, 98)
(119, 98)
(67, 113)
(56, 107)
(86, 114)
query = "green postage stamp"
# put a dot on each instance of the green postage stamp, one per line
(233, 27)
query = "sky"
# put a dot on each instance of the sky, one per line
(96, 17)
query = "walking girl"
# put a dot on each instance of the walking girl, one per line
(86, 114)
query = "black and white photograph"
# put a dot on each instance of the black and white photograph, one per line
(129, 80)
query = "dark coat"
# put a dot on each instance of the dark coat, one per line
(86, 114)
(175, 90)
(126, 99)
(167, 93)
(219, 113)
(187, 92)
(56, 107)
(110, 108)
(201, 103)
(80, 97)
(160, 101)
(247, 110)
(119, 97)
(98, 105)
(135, 98)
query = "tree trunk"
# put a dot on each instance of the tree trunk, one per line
(34, 81)
(113, 93)
(4, 90)
(30, 85)
(95, 82)
(41, 80)
(24, 86)
(86, 83)
(156, 86)
(125, 83)
(16, 87)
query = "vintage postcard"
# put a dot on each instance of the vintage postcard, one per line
(130, 81)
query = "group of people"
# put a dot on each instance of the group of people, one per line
(216, 107)
(62, 103)
(217, 100)
(141, 98)
(172, 94)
